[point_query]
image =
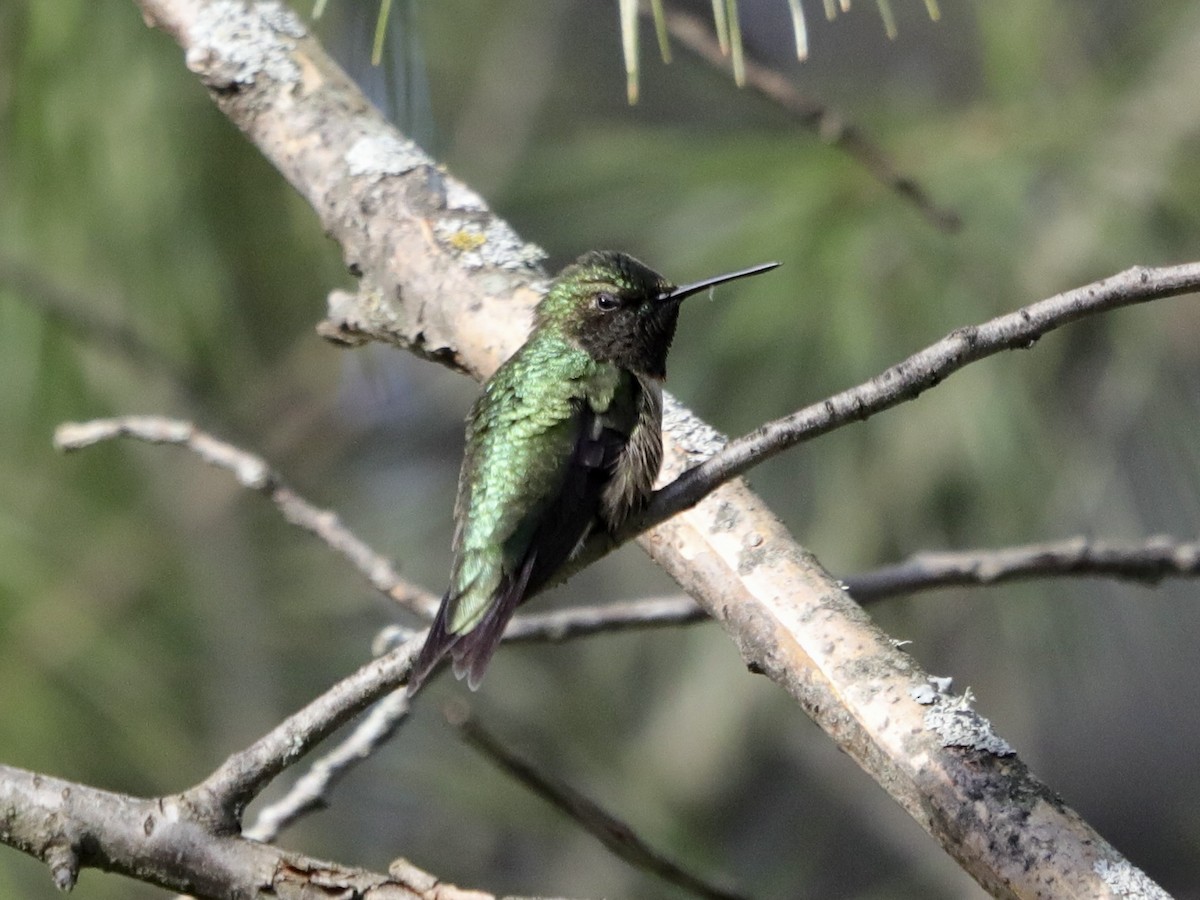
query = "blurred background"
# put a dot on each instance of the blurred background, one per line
(154, 617)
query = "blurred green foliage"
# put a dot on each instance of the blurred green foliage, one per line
(153, 617)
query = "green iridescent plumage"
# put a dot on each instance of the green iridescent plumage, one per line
(565, 437)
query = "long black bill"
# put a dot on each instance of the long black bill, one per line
(686, 290)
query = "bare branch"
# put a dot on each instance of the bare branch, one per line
(309, 792)
(1148, 561)
(583, 621)
(692, 31)
(252, 472)
(221, 798)
(71, 826)
(908, 379)
(230, 792)
(78, 315)
(621, 840)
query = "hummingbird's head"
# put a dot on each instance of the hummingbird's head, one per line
(620, 310)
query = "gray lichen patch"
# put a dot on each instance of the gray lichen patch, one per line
(1126, 880)
(693, 435)
(491, 244)
(726, 519)
(956, 723)
(233, 44)
(462, 198)
(386, 153)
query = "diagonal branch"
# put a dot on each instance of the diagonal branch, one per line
(220, 799)
(911, 377)
(309, 792)
(829, 126)
(254, 473)
(621, 840)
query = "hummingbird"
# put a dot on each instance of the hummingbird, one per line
(565, 439)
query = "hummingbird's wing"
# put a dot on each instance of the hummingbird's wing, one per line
(563, 525)
(542, 444)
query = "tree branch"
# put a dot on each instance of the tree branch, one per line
(220, 799)
(1147, 561)
(253, 472)
(308, 793)
(620, 839)
(694, 33)
(911, 377)
(69, 826)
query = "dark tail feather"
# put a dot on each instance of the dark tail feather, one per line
(475, 649)
(437, 644)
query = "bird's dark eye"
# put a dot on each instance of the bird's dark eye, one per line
(607, 301)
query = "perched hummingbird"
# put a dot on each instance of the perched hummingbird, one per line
(565, 438)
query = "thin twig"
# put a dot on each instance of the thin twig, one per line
(78, 315)
(309, 792)
(613, 833)
(693, 32)
(253, 472)
(625, 615)
(221, 798)
(1147, 561)
(908, 379)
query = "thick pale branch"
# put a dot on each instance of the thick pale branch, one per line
(909, 378)
(445, 278)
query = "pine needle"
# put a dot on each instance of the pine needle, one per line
(801, 29)
(721, 24)
(660, 29)
(629, 44)
(889, 18)
(735, 44)
(934, 12)
(385, 7)
(318, 9)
